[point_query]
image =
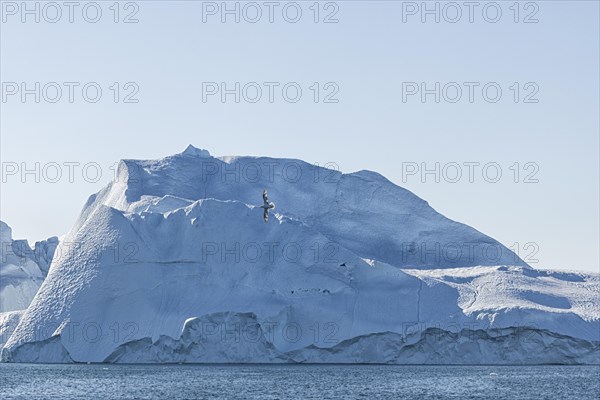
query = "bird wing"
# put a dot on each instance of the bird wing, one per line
(265, 198)
(266, 215)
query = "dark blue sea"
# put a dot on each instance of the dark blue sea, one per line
(34, 381)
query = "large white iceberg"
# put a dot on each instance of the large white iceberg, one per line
(22, 269)
(172, 262)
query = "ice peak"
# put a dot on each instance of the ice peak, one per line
(5, 232)
(195, 152)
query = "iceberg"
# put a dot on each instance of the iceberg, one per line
(173, 263)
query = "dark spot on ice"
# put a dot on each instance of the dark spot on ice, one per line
(534, 273)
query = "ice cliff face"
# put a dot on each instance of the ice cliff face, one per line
(22, 269)
(212, 339)
(172, 262)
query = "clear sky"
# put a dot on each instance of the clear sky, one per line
(373, 61)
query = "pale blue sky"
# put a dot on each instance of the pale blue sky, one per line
(368, 54)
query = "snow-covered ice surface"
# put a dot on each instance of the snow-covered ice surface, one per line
(174, 263)
(8, 322)
(22, 269)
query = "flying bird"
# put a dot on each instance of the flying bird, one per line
(266, 205)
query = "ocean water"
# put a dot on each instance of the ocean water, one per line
(32, 381)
